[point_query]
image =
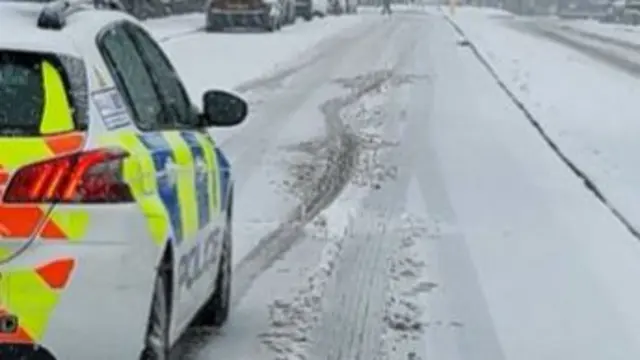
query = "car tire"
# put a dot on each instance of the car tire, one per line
(291, 18)
(157, 345)
(271, 24)
(216, 311)
(211, 28)
(307, 16)
(213, 25)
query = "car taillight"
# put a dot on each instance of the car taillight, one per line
(93, 176)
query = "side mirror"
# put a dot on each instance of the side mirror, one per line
(222, 108)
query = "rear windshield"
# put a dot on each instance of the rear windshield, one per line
(41, 94)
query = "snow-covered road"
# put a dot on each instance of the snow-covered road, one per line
(395, 202)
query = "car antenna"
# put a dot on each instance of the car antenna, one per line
(54, 14)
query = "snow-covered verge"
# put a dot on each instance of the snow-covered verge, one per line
(530, 264)
(586, 107)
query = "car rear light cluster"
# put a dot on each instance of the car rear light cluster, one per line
(93, 176)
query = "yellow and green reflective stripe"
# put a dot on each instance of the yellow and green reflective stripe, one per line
(187, 195)
(212, 165)
(56, 115)
(139, 172)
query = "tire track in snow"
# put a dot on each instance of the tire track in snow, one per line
(344, 151)
(323, 191)
(589, 183)
(251, 143)
(356, 313)
(353, 316)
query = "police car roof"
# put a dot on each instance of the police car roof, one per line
(20, 20)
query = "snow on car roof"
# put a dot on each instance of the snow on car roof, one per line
(20, 20)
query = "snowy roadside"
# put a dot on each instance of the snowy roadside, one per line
(585, 107)
(529, 259)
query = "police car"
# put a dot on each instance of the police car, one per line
(115, 203)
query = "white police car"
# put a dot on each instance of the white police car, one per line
(115, 203)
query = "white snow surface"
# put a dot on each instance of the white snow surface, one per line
(588, 108)
(226, 60)
(557, 271)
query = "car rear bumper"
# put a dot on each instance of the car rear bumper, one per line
(100, 311)
(578, 14)
(303, 6)
(102, 314)
(25, 351)
(232, 18)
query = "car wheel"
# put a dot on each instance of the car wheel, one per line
(308, 16)
(157, 339)
(213, 28)
(270, 24)
(216, 311)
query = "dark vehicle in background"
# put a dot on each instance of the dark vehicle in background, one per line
(351, 6)
(582, 9)
(307, 9)
(335, 7)
(263, 14)
(304, 8)
(289, 11)
(614, 12)
(631, 12)
(339, 7)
